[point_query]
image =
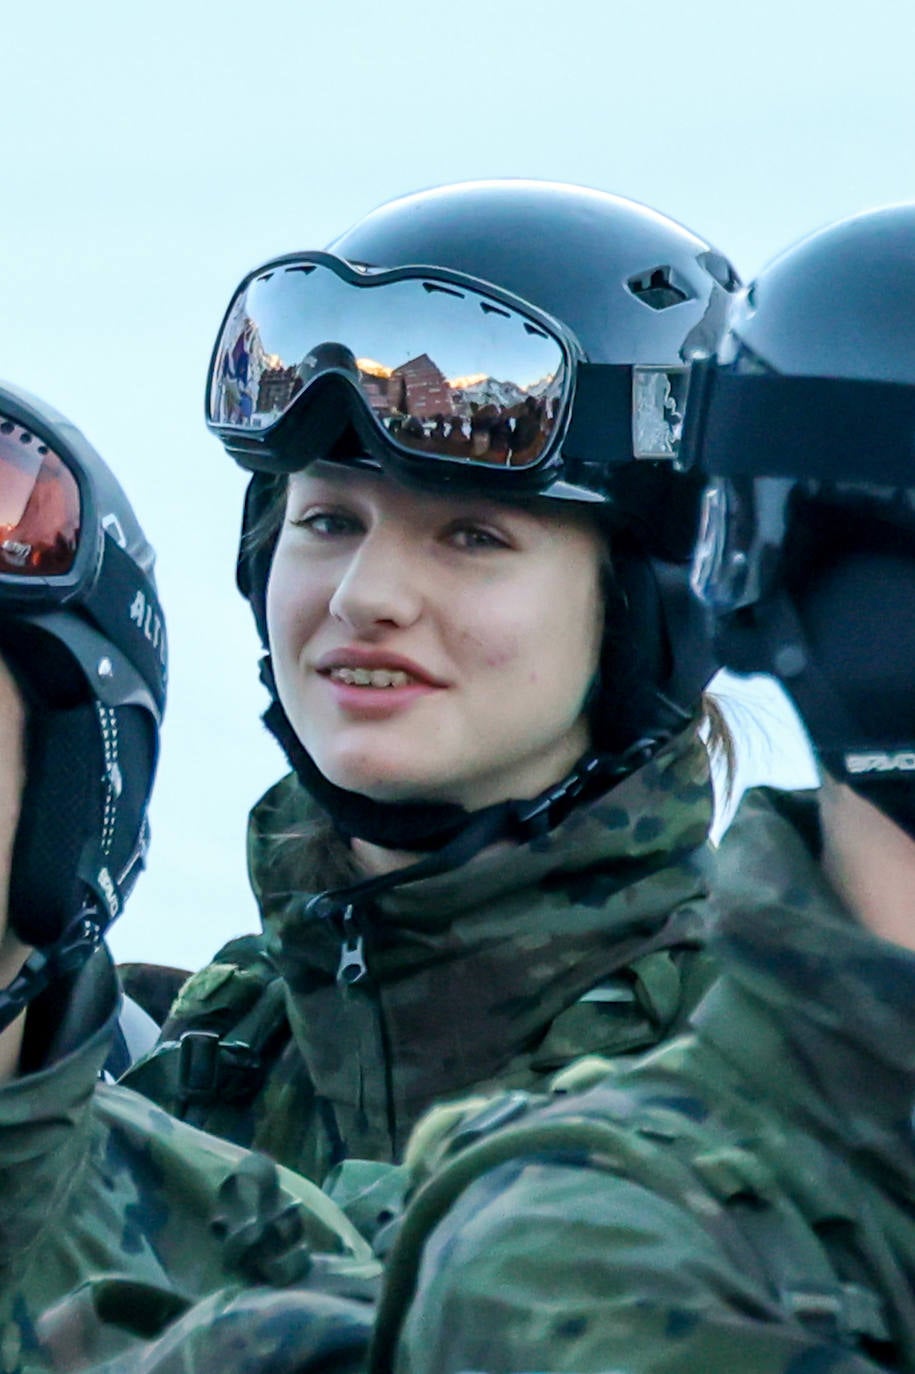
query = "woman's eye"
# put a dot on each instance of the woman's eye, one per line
(326, 524)
(476, 537)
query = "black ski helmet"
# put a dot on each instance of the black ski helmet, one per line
(635, 288)
(91, 664)
(804, 424)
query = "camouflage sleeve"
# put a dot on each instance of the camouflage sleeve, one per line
(232, 1331)
(553, 1266)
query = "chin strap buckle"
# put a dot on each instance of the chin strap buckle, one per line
(537, 816)
(211, 1069)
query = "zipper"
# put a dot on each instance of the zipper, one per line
(351, 968)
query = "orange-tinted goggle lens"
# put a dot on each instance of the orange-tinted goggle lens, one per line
(40, 507)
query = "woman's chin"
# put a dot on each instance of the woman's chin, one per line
(379, 784)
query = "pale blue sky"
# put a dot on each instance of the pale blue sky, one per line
(153, 153)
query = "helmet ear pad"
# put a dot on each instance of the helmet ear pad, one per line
(88, 774)
(856, 615)
(63, 753)
(77, 821)
(857, 612)
(633, 657)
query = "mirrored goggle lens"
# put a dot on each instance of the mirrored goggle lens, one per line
(445, 371)
(39, 507)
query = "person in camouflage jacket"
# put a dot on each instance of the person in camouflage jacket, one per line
(543, 918)
(741, 1198)
(589, 941)
(127, 1239)
(117, 1222)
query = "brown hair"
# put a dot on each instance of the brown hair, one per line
(265, 528)
(719, 742)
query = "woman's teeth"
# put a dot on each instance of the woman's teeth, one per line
(371, 677)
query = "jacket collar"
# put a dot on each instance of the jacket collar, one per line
(44, 1116)
(661, 811)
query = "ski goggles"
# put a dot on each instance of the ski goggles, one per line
(450, 371)
(64, 560)
(45, 551)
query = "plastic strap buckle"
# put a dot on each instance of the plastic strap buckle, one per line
(209, 1067)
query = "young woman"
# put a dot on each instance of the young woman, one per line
(465, 546)
(115, 1221)
(741, 1199)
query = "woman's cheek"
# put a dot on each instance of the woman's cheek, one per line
(493, 648)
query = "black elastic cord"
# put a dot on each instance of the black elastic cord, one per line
(484, 829)
(510, 820)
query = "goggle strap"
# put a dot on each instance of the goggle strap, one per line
(124, 604)
(810, 428)
(601, 419)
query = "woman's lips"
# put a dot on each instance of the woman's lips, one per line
(376, 701)
(374, 669)
(374, 684)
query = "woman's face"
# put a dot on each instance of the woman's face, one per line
(433, 646)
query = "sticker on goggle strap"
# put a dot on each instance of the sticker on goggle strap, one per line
(658, 404)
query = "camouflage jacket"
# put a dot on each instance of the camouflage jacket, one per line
(741, 1199)
(497, 974)
(117, 1222)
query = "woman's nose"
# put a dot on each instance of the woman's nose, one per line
(380, 586)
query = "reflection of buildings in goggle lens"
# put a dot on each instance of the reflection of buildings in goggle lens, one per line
(478, 417)
(39, 507)
(267, 355)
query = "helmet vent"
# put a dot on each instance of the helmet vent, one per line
(659, 288)
(720, 270)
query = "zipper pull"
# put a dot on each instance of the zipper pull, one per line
(352, 959)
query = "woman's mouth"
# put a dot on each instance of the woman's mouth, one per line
(376, 692)
(372, 677)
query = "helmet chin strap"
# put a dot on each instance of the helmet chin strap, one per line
(444, 830)
(436, 827)
(446, 835)
(45, 966)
